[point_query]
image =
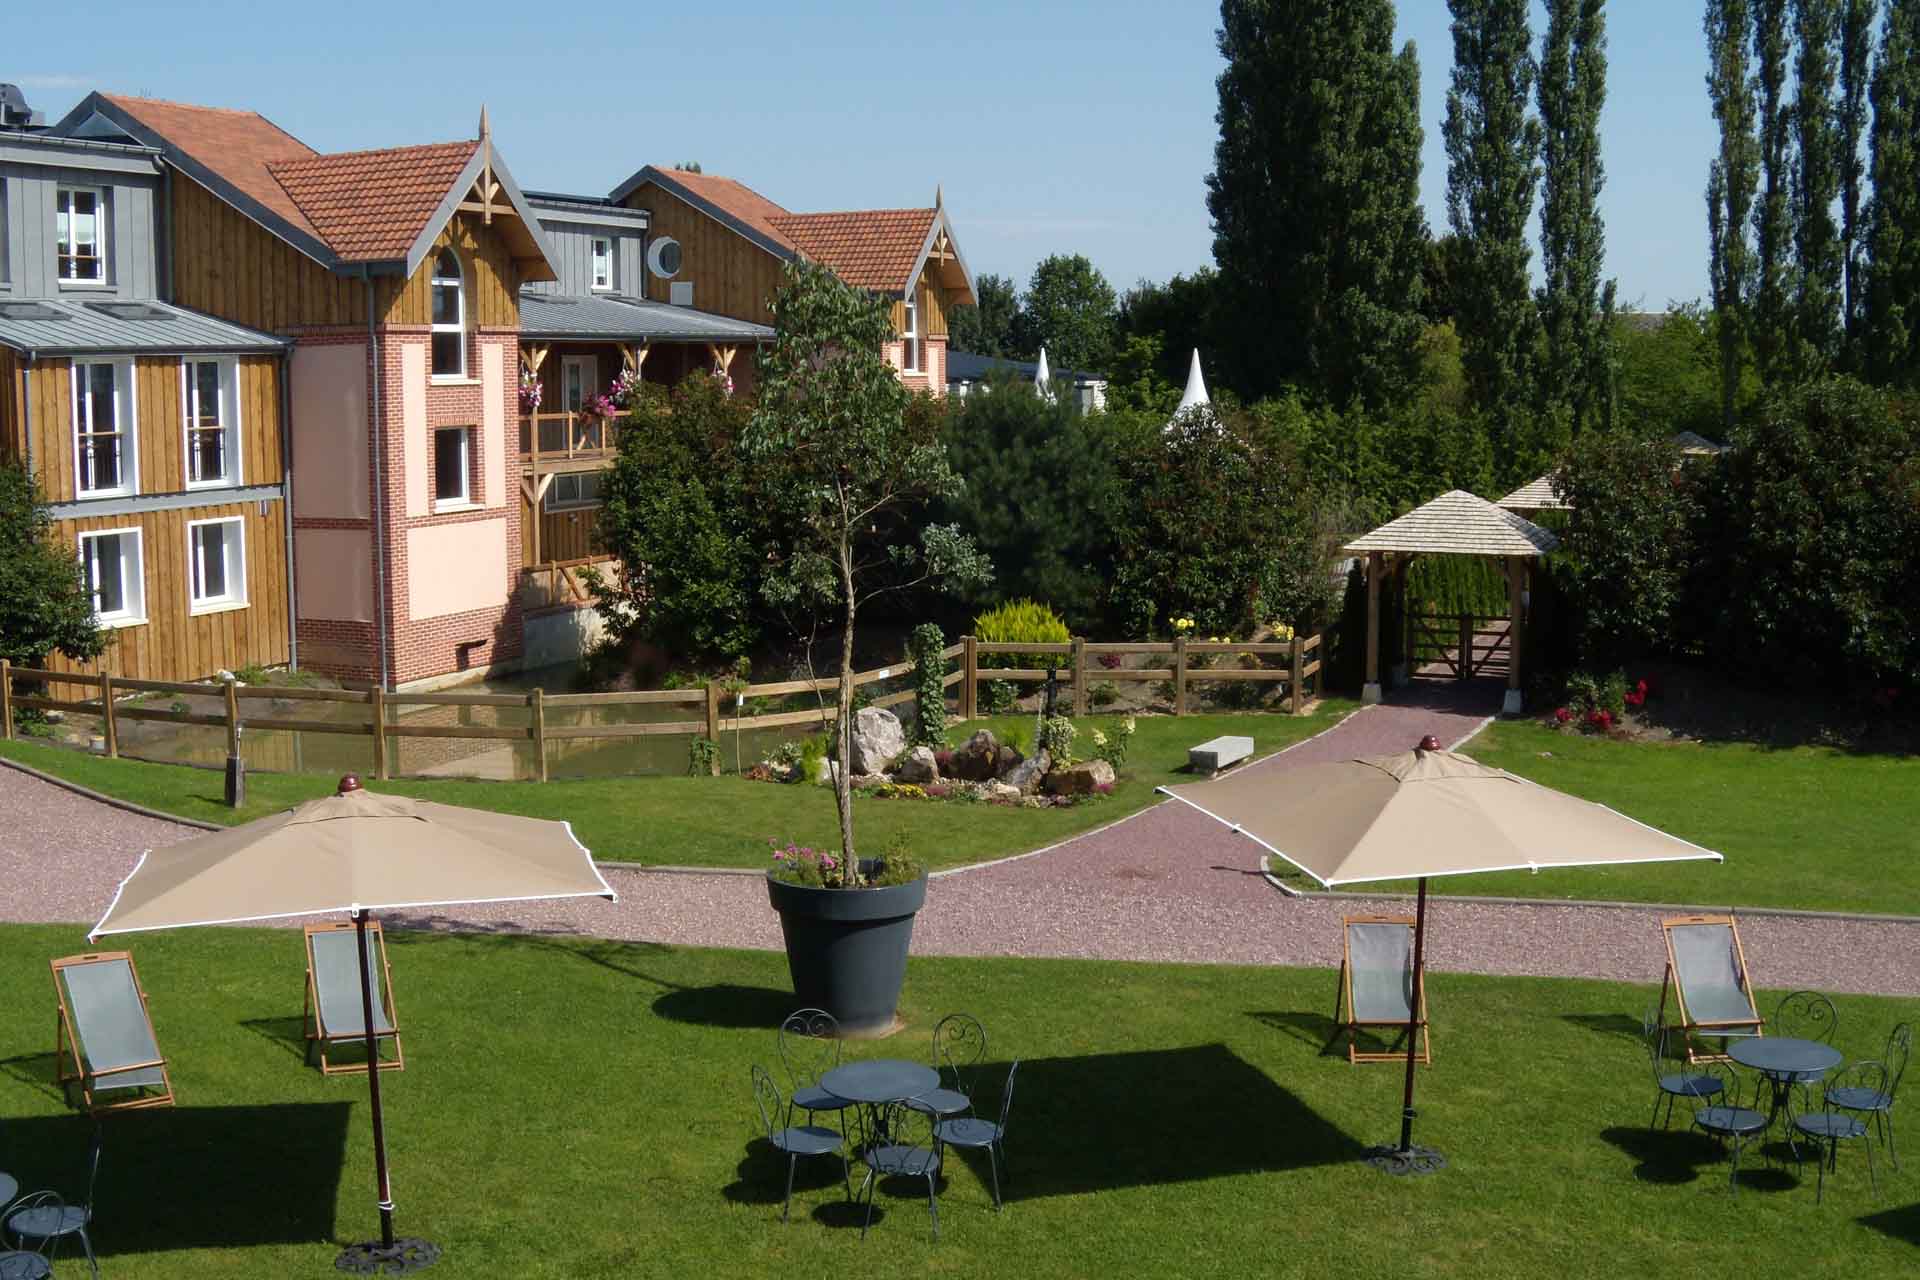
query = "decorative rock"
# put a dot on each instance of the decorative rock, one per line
(1001, 791)
(1006, 761)
(977, 760)
(917, 766)
(868, 781)
(1078, 779)
(877, 740)
(1025, 777)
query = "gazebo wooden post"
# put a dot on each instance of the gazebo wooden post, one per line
(1370, 693)
(1516, 626)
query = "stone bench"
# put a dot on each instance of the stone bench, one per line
(1221, 752)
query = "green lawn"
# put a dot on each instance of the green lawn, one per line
(581, 1109)
(1808, 827)
(721, 822)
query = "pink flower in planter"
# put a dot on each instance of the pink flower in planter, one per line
(1562, 716)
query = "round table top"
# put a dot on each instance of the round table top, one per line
(1784, 1055)
(880, 1080)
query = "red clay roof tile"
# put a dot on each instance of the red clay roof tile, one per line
(735, 199)
(869, 248)
(371, 206)
(236, 145)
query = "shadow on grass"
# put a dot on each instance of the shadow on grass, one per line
(36, 1071)
(1316, 1029)
(194, 1177)
(727, 1005)
(1901, 1224)
(1671, 1157)
(1605, 1024)
(287, 1032)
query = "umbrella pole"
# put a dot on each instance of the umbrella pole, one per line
(1413, 1028)
(373, 1084)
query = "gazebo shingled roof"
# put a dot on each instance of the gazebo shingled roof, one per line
(1535, 495)
(1458, 523)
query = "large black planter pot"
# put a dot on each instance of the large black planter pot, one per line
(847, 948)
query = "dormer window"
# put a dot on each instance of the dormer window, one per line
(603, 262)
(80, 247)
(910, 336)
(449, 316)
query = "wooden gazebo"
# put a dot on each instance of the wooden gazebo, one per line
(1535, 495)
(1460, 524)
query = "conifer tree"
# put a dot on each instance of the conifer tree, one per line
(1492, 145)
(1818, 257)
(1856, 51)
(1318, 231)
(1772, 217)
(1892, 319)
(1731, 182)
(1575, 310)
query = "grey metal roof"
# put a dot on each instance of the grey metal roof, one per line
(612, 318)
(964, 366)
(106, 326)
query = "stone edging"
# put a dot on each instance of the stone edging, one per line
(112, 801)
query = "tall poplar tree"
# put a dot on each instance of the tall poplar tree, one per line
(1818, 257)
(1575, 310)
(1318, 231)
(1492, 145)
(1856, 52)
(1892, 321)
(1772, 217)
(1731, 182)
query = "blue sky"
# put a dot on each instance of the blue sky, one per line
(1054, 127)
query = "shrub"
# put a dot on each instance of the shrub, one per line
(813, 754)
(1056, 739)
(1104, 694)
(1001, 695)
(45, 604)
(703, 756)
(925, 647)
(1626, 549)
(1112, 747)
(1021, 622)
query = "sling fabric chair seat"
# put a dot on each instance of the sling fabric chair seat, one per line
(1376, 985)
(335, 1011)
(105, 1040)
(1707, 971)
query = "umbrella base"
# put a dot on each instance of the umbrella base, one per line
(407, 1254)
(1410, 1162)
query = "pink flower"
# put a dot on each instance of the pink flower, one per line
(1562, 715)
(780, 855)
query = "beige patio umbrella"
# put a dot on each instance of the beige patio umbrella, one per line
(1420, 814)
(359, 853)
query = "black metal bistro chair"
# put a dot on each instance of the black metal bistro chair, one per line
(31, 1257)
(1691, 1083)
(959, 1044)
(809, 1048)
(795, 1140)
(976, 1134)
(1878, 1102)
(57, 1219)
(909, 1150)
(1722, 1116)
(1829, 1126)
(1805, 1015)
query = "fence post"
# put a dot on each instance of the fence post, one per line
(713, 721)
(110, 728)
(1296, 699)
(537, 703)
(969, 684)
(236, 788)
(1180, 675)
(6, 700)
(1079, 675)
(1466, 646)
(378, 700)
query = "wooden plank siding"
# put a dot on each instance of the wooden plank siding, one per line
(226, 264)
(564, 535)
(493, 282)
(174, 644)
(934, 301)
(731, 275)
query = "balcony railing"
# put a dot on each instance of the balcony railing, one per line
(551, 438)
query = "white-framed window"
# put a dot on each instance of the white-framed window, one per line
(603, 262)
(579, 381)
(210, 398)
(114, 567)
(453, 467)
(79, 217)
(910, 335)
(216, 564)
(574, 489)
(449, 316)
(103, 428)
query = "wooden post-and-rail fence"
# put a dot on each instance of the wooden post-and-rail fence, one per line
(706, 708)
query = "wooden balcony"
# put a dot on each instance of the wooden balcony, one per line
(556, 442)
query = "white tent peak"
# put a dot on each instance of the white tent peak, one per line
(1196, 392)
(1043, 379)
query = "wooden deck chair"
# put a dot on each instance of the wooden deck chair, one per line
(335, 1012)
(1707, 973)
(1376, 985)
(104, 1041)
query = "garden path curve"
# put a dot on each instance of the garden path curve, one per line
(1165, 884)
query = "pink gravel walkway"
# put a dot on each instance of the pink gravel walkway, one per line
(1166, 884)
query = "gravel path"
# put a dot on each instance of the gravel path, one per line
(1166, 884)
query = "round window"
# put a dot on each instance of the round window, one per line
(663, 257)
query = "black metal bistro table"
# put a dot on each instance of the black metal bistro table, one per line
(1785, 1062)
(876, 1082)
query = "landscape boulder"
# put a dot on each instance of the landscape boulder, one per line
(878, 740)
(1079, 779)
(1025, 777)
(1006, 761)
(978, 759)
(917, 766)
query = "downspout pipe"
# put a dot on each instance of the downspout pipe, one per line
(379, 486)
(26, 410)
(286, 505)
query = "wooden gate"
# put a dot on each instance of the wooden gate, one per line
(1458, 646)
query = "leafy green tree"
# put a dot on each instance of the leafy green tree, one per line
(1670, 373)
(1731, 183)
(1771, 327)
(845, 454)
(1575, 310)
(1892, 320)
(1856, 53)
(1492, 146)
(1069, 310)
(1625, 550)
(1040, 498)
(45, 604)
(1818, 180)
(1318, 232)
(1176, 319)
(986, 328)
(1134, 380)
